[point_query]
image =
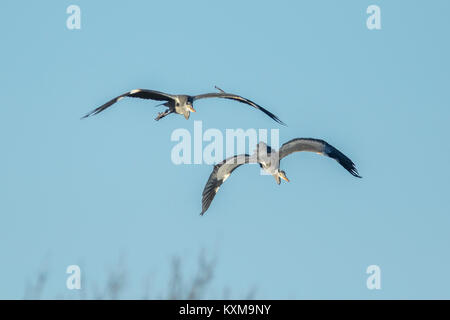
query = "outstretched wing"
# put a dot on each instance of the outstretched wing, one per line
(137, 93)
(320, 147)
(220, 173)
(230, 96)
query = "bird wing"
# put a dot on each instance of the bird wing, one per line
(220, 173)
(320, 147)
(235, 97)
(137, 93)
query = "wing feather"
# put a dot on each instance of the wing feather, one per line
(220, 173)
(320, 147)
(230, 96)
(137, 93)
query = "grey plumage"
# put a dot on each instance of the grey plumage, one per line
(220, 173)
(320, 147)
(180, 104)
(269, 160)
(138, 93)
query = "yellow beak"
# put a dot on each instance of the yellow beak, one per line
(284, 178)
(191, 109)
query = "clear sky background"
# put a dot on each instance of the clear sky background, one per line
(88, 192)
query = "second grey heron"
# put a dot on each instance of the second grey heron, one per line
(269, 160)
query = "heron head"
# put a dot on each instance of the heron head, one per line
(189, 103)
(282, 175)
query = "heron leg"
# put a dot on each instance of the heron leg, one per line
(163, 114)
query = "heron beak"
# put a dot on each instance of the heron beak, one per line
(191, 109)
(283, 176)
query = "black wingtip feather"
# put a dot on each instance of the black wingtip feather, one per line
(271, 115)
(209, 192)
(343, 160)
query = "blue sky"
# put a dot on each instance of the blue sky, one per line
(88, 192)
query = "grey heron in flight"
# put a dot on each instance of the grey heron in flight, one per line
(179, 103)
(269, 161)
